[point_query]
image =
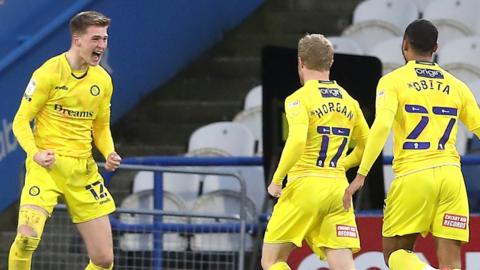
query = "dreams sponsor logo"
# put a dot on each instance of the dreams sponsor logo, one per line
(72, 113)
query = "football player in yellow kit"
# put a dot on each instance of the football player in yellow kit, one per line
(423, 103)
(68, 98)
(322, 120)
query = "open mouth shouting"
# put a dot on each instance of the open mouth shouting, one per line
(97, 56)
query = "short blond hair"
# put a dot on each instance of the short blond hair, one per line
(80, 22)
(316, 52)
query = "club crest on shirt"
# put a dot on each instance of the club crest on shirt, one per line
(32, 85)
(34, 191)
(94, 90)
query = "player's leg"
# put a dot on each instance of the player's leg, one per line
(274, 256)
(399, 255)
(31, 221)
(38, 198)
(407, 214)
(340, 259)
(450, 225)
(292, 217)
(97, 235)
(335, 238)
(89, 204)
(448, 254)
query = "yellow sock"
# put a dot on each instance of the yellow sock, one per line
(406, 260)
(21, 251)
(92, 266)
(280, 266)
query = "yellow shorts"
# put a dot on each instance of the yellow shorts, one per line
(76, 180)
(432, 200)
(311, 209)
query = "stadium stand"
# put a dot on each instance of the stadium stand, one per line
(378, 20)
(252, 119)
(232, 138)
(345, 45)
(253, 98)
(462, 58)
(389, 53)
(454, 19)
(144, 242)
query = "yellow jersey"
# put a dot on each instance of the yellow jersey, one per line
(427, 102)
(322, 119)
(68, 107)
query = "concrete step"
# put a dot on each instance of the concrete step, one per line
(225, 67)
(252, 44)
(186, 111)
(286, 22)
(155, 134)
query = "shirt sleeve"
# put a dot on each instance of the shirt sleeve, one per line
(102, 135)
(385, 109)
(359, 136)
(34, 99)
(470, 113)
(297, 117)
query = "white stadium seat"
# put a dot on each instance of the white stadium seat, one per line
(254, 181)
(454, 19)
(252, 119)
(377, 20)
(345, 45)
(232, 138)
(390, 54)
(221, 202)
(186, 186)
(462, 58)
(422, 4)
(253, 97)
(144, 242)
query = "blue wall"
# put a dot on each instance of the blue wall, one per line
(149, 42)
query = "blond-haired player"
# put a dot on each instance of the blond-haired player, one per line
(322, 120)
(423, 103)
(68, 98)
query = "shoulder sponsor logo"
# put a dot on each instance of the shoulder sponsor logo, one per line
(429, 73)
(293, 104)
(72, 113)
(330, 92)
(32, 85)
(94, 90)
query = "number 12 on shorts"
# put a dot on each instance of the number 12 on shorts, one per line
(328, 132)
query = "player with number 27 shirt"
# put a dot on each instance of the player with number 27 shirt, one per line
(423, 104)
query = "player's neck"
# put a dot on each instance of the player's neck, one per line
(75, 61)
(309, 74)
(422, 58)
